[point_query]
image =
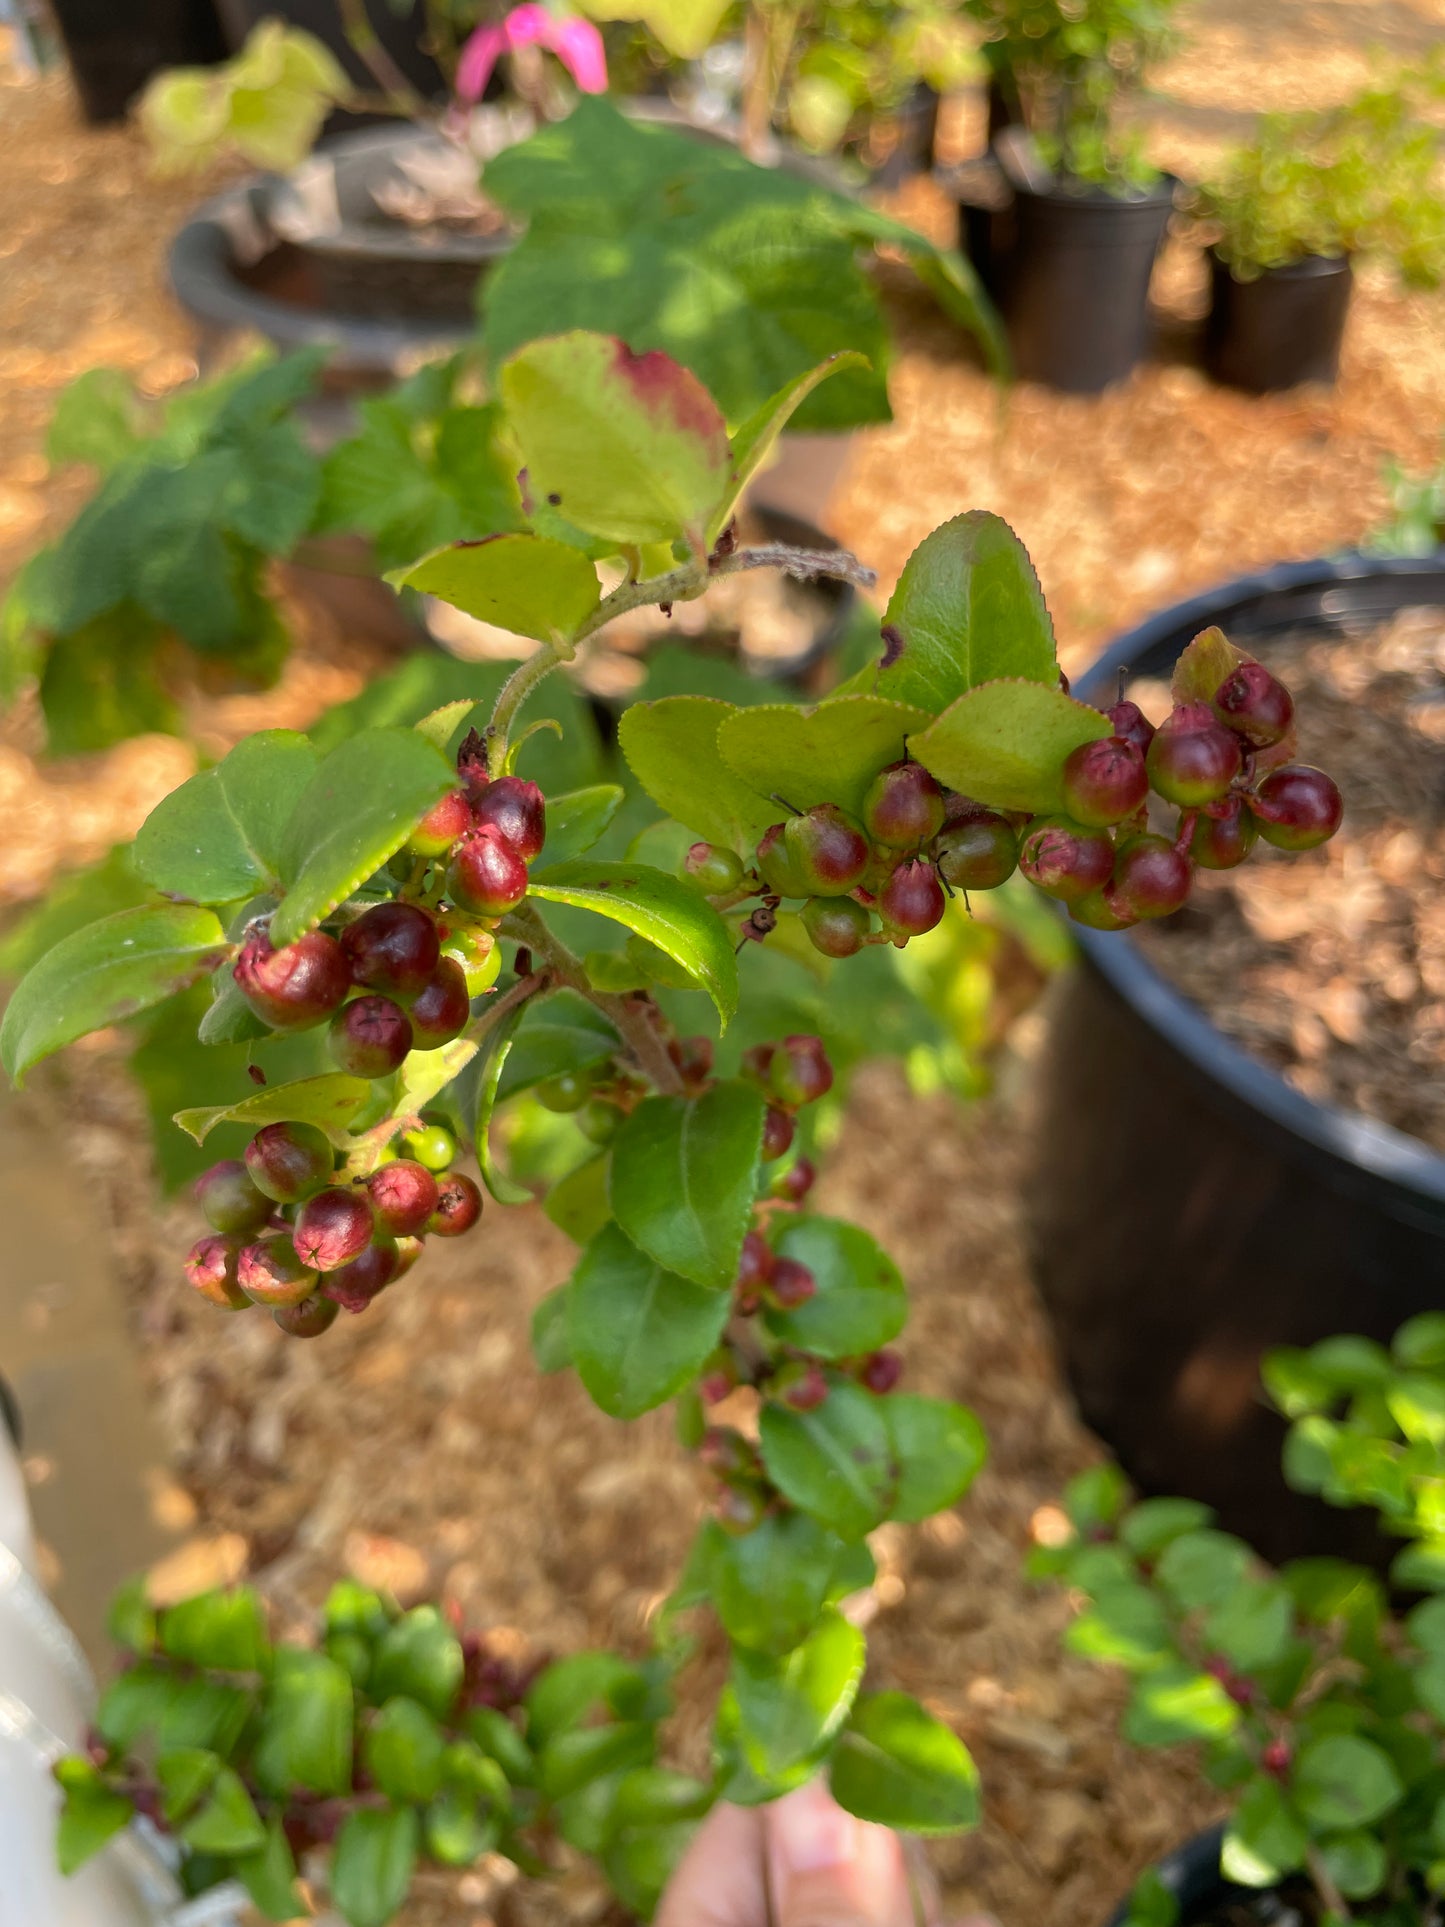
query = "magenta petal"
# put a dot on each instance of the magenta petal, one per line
(578, 45)
(528, 25)
(478, 57)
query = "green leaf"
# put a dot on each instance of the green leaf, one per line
(835, 1462)
(829, 753)
(98, 419)
(217, 838)
(938, 1448)
(583, 1755)
(105, 972)
(897, 1765)
(1356, 1862)
(403, 1749)
(1175, 1704)
(372, 1865)
(523, 583)
(1150, 1526)
(1126, 1625)
(221, 1632)
(1429, 1684)
(860, 1302)
(1417, 1405)
(419, 1658)
(329, 1101)
(1096, 1497)
(1202, 1568)
(358, 809)
(306, 1725)
(91, 1815)
(683, 1178)
(227, 1821)
(637, 1333)
(577, 820)
(1005, 743)
(1153, 1902)
(101, 683)
(577, 1205)
(269, 1876)
(656, 906)
(491, 1062)
(1264, 1840)
(551, 1348)
(1426, 1625)
(1352, 1364)
(566, 1693)
(1340, 1780)
(1253, 1625)
(1419, 1344)
(967, 610)
(768, 1586)
(789, 1708)
(150, 1701)
(627, 446)
(131, 1620)
(755, 441)
(458, 1830)
(561, 1033)
(671, 747)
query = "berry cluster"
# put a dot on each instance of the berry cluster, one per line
(915, 843)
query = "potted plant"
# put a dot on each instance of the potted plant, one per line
(1293, 1198)
(414, 910)
(1295, 208)
(1318, 1708)
(1071, 253)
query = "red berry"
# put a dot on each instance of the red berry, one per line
(903, 807)
(756, 1061)
(1063, 860)
(801, 1386)
(693, 1057)
(440, 1012)
(912, 900)
(977, 852)
(755, 1264)
(1298, 807)
(1129, 721)
(443, 823)
(714, 1387)
(728, 1453)
(1275, 1759)
(882, 1371)
(370, 1036)
(794, 1184)
(713, 868)
(799, 1072)
(458, 1206)
(296, 986)
(777, 865)
(271, 1273)
(309, 1319)
(517, 810)
(791, 1284)
(211, 1268)
(836, 925)
(1151, 878)
(230, 1199)
(1193, 759)
(393, 947)
(486, 875)
(403, 1195)
(332, 1228)
(1255, 705)
(777, 1133)
(1103, 782)
(1223, 835)
(289, 1161)
(828, 849)
(354, 1286)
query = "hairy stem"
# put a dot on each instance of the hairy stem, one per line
(808, 563)
(510, 697)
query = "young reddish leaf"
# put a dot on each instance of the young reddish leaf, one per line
(1203, 665)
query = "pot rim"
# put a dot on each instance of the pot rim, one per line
(1309, 267)
(1347, 1136)
(1160, 194)
(1190, 1872)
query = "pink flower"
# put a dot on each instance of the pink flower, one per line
(576, 43)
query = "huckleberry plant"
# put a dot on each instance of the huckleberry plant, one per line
(405, 898)
(1320, 1709)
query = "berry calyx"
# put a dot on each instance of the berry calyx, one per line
(794, 1184)
(403, 1196)
(778, 1130)
(777, 865)
(1223, 835)
(881, 1371)
(517, 810)
(828, 849)
(800, 1385)
(912, 902)
(296, 986)
(211, 1269)
(443, 823)
(799, 1072)
(836, 925)
(332, 1228)
(903, 807)
(1128, 721)
(440, 1011)
(713, 868)
(432, 1146)
(977, 852)
(354, 1286)
(486, 875)
(289, 1161)
(792, 1284)
(458, 1206)
(1103, 782)
(1298, 807)
(230, 1198)
(309, 1319)
(1151, 878)
(392, 947)
(271, 1273)
(1063, 859)
(1255, 705)
(370, 1036)
(1193, 759)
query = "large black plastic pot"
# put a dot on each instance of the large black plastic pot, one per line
(1191, 1873)
(114, 46)
(1189, 1209)
(1072, 273)
(1285, 326)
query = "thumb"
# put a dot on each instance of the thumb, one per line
(826, 1869)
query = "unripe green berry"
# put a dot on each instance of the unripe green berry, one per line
(777, 865)
(568, 1091)
(433, 1146)
(1193, 758)
(836, 925)
(230, 1199)
(712, 868)
(828, 850)
(977, 852)
(289, 1161)
(903, 807)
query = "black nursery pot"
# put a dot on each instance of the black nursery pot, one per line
(1072, 271)
(1284, 327)
(1189, 1209)
(114, 46)
(1191, 1873)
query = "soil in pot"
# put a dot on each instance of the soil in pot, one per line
(1331, 967)
(1283, 327)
